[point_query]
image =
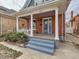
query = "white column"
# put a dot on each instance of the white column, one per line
(1, 25)
(31, 22)
(56, 25)
(17, 24)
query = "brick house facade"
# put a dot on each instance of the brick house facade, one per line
(8, 24)
(46, 19)
(75, 23)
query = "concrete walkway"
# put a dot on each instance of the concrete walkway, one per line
(66, 51)
(72, 38)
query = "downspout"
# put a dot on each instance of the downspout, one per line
(1, 24)
(62, 38)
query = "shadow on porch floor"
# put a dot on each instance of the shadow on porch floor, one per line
(44, 36)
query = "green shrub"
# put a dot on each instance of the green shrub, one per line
(15, 37)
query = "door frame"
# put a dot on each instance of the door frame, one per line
(48, 23)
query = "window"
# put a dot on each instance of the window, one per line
(42, 0)
(34, 25)
(46, 0)
(38, 2)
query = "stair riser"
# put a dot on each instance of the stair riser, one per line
(43, 45)
(41, 39)
(42, 50)
(41, 42)
(48, 42)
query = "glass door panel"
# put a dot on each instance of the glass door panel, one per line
(45, 26)
(50, 26)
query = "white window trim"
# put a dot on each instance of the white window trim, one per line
(43, 23)
(35, 25)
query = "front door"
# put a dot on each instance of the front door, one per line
(50, 26)
(47, 25)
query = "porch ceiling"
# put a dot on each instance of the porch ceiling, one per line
(46, 14)
(42, 8)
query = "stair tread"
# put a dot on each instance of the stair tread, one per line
(40, 40)
(41, 48)
(42, 44)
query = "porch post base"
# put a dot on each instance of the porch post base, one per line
(61, 38)
(56, 44)
(31, 35)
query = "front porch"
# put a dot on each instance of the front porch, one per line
(45, 25)
(44, 36)
(44, 19)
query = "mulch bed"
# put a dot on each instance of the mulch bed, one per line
(7, 53)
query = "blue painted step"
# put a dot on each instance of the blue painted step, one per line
(42, 45)
(41, 49)
(43, 40)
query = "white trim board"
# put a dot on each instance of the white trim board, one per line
(48, 24)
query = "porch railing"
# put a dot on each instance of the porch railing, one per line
(25, 31)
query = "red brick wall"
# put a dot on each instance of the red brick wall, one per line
(53, 24)
(9, 24)
(21, 22)
(27, 23)
(39, 25)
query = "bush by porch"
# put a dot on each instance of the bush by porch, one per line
(15, 37)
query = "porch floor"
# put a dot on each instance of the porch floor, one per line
(44, 36)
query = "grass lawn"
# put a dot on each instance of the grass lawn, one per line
(7, 53)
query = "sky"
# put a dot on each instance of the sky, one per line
(12, 4)
(17, 5)
(74, 6)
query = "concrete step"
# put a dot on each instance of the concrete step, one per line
(42, 45)
(49, 45)
(42, 40)
(41, 49)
